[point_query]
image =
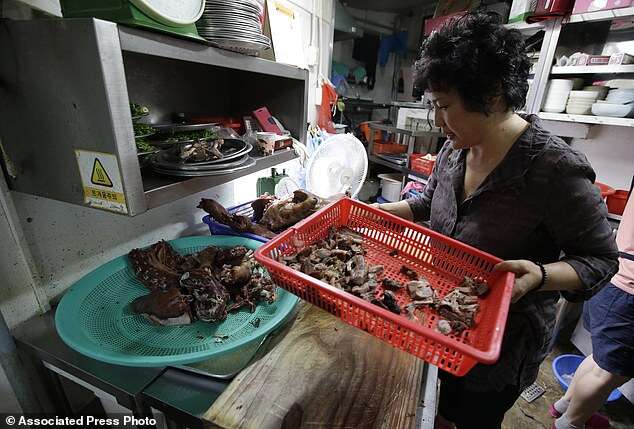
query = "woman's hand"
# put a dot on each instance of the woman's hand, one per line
(527, 276)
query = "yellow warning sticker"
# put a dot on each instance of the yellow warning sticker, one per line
(101, 179)
(99, 175)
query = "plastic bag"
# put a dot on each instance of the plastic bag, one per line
(328, 99)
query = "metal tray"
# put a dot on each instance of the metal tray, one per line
(164, 144)
(156, 162)
(180, 173)
(163, 128)
(231, 149)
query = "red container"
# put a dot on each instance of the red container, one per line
(617, 201)
(388, 148)
(605, 189)
(443, 261)
(418, 163)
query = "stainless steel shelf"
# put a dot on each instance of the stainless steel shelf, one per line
(605, 69)
(406, 171)
(405, 131)
(602, 15)
(525, 26)
(160, 189)
(151, 43)
(587, 119)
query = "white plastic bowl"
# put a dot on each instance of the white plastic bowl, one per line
(590, 95)
(578, 110)
(581, 102)
(561, 84)
(613, 110)
(620, 99)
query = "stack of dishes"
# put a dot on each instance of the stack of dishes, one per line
(557, 93)
(234, 25)
(235, 157)
(580, 102)
(618, 104)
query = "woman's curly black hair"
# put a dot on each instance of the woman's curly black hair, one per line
(477, 57)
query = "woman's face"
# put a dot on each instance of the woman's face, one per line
(463, 128)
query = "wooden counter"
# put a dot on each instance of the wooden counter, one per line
(321, 372)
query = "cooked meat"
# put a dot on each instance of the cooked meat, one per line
(284, 213)
(411, 274)
(187, 288)
(163, 306)
(157, 266)
(260, 205)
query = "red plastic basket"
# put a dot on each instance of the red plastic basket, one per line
(420, 164)
(379, 147)
(444, 261)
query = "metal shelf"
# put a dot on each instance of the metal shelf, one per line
(406, 171)
(405, 131)
(605, 69)
(602, 15)
(120, 64)
(587, 119)
(160, 45)
(525, 26)
(160, 189)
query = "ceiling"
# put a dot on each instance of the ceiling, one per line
(385, 6)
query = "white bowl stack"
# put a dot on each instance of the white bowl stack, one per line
(580, 102)
(557, 93)
(618, 104)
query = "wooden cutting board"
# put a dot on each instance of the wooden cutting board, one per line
(321, 372)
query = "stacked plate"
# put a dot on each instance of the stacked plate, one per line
(557, 93)
(234, 25)
(235, 157)
(580, 102)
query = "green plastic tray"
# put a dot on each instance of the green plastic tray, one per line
(94, 317)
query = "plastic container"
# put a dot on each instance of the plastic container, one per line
(379, 147)
(617, 201)
(420, 164)
(564, 367)
(367, 132)
(94, 317)
(391, 186)
(443, 260)
(605, 190)
(245, 209)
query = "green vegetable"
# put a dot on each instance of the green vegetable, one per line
(177, 136)
(143, 129)
(138, 109)
(143, 146)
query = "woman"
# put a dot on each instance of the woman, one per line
(505, 185)
(610, 319)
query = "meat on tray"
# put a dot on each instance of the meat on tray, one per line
(201, 286)
(339, 260)
(270, 214)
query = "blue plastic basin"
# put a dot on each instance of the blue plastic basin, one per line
(568, 364)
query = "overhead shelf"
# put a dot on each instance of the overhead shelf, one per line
(160, 189)
(602, 69)
(525, 26)
(396, 167)
(587, 119)
(162, 45)
(602, 15)
(405, 131)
